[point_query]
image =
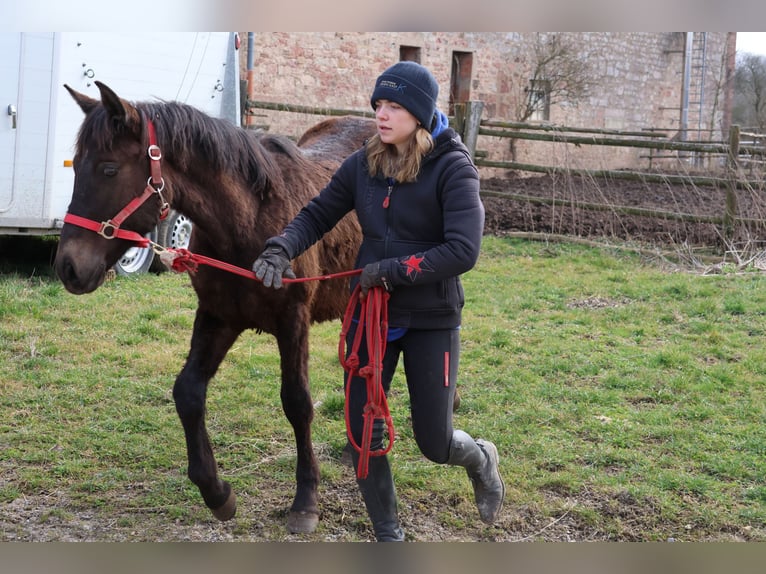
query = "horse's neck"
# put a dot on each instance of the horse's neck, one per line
(217, 194)
(222, 207)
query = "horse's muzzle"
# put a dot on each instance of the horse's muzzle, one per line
(77, 278)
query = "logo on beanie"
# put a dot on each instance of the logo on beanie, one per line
(392, 86)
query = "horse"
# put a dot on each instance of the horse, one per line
(239, 187)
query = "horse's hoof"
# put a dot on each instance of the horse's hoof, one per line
(302, 522)
(227, 510)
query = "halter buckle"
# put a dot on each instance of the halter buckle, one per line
(108, 230)
(154, 152)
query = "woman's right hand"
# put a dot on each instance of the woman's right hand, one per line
(273, 264)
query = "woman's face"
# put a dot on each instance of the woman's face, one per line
(395, 124)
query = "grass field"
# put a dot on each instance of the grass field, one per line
(626, 399)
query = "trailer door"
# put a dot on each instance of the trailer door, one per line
(10, 48)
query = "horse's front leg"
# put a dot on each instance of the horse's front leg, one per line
(211, 340)
(293, 342)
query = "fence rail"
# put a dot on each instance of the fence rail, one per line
(318, 111)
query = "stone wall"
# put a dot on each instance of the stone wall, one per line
(636, 82)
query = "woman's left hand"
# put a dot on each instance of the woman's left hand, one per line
(372, 276)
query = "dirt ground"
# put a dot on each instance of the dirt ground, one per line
(573, 194)
(54, 516)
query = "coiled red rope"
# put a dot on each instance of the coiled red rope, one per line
(373, 324)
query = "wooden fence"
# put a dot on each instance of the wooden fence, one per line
(737, 151)
(651, 139)
(730, 178)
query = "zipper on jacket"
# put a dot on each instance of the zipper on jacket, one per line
(389, 215)
(387, 200)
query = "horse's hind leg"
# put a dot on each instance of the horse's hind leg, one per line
(296, 402)
(210, 342)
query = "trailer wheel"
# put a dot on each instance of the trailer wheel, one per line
(173, 232)
(137, 259)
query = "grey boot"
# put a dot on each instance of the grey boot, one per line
(379, 497)
(480, 459)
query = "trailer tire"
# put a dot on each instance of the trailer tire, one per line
(137, 260)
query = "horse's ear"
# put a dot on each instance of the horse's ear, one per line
(118, 109)
(86, 103)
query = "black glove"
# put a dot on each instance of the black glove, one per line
(272, 265)
(373, 277)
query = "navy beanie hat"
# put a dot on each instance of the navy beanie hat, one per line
(410, 85)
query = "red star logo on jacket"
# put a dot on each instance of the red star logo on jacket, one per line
(414, 265)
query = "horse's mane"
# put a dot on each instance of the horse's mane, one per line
(190, 133)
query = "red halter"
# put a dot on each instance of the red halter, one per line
(110, 229)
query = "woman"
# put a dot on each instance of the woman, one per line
(415, 191)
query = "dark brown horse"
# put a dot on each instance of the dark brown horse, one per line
(238, 188)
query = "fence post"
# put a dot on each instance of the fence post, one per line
(459, 126)
(470, 127)
(732, 175)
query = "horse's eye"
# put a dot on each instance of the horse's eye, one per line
(110, 169)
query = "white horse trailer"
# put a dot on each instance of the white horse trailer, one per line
(39, 119)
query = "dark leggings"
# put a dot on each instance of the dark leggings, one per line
(430, 366)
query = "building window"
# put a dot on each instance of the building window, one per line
(539, 100)
(409, 54)
(460, 80)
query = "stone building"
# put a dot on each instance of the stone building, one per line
(674, 82)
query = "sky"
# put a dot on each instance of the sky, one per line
(753, 42)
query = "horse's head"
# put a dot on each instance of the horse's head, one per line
(111, 169)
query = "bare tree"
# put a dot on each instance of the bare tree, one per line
(750, 91)
(556, 74)
(550, 71)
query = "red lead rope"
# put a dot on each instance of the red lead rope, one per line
(183, 260)
(373, 323)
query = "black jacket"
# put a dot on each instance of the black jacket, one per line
(429, 234)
